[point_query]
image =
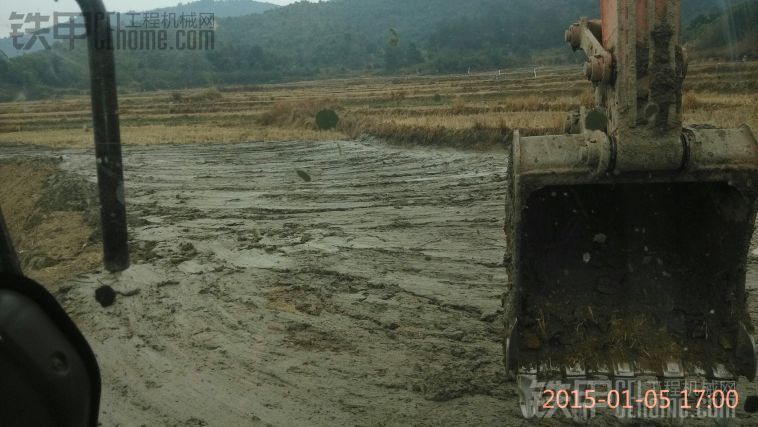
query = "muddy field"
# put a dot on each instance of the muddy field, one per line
(303, 284)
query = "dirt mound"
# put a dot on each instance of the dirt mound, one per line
(52, 217)
(64, 191)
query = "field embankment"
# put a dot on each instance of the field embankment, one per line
(477, 110)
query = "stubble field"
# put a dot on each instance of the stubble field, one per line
(478, 110)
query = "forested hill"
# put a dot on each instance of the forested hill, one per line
(729, 34)
(436, 36)
(313, 40)
(221, 9)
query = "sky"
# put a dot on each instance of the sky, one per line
(47, 7)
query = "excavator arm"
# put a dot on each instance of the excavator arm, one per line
(628, 238)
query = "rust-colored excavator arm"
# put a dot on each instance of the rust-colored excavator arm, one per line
(628, 236)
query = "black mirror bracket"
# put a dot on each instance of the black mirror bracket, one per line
(105, 120)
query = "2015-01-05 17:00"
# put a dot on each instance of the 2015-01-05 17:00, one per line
(651, 399)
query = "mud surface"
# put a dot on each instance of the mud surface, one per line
(367, 296)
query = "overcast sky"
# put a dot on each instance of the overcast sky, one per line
(47, 7)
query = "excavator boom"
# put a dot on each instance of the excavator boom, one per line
(628, 236)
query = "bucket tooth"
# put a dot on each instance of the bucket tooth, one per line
(696, 372)
(720, 372)
(527, 388)
(623, 370)
(673, 370)
(548, 371)
(575, 371)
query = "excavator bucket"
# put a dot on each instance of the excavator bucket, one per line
(628, 239)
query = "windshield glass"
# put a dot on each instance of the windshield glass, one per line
(393, 212)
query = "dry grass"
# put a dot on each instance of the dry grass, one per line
(542, 120)
(399, 108)
(53, 242)
(157, 134)
(295, 114)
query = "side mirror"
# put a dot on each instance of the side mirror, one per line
(49, 375)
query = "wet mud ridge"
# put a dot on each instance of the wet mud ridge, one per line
(367, 294)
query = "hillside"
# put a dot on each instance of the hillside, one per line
(691, 9)
(220, 8)
(732, 35)
(340, 37)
